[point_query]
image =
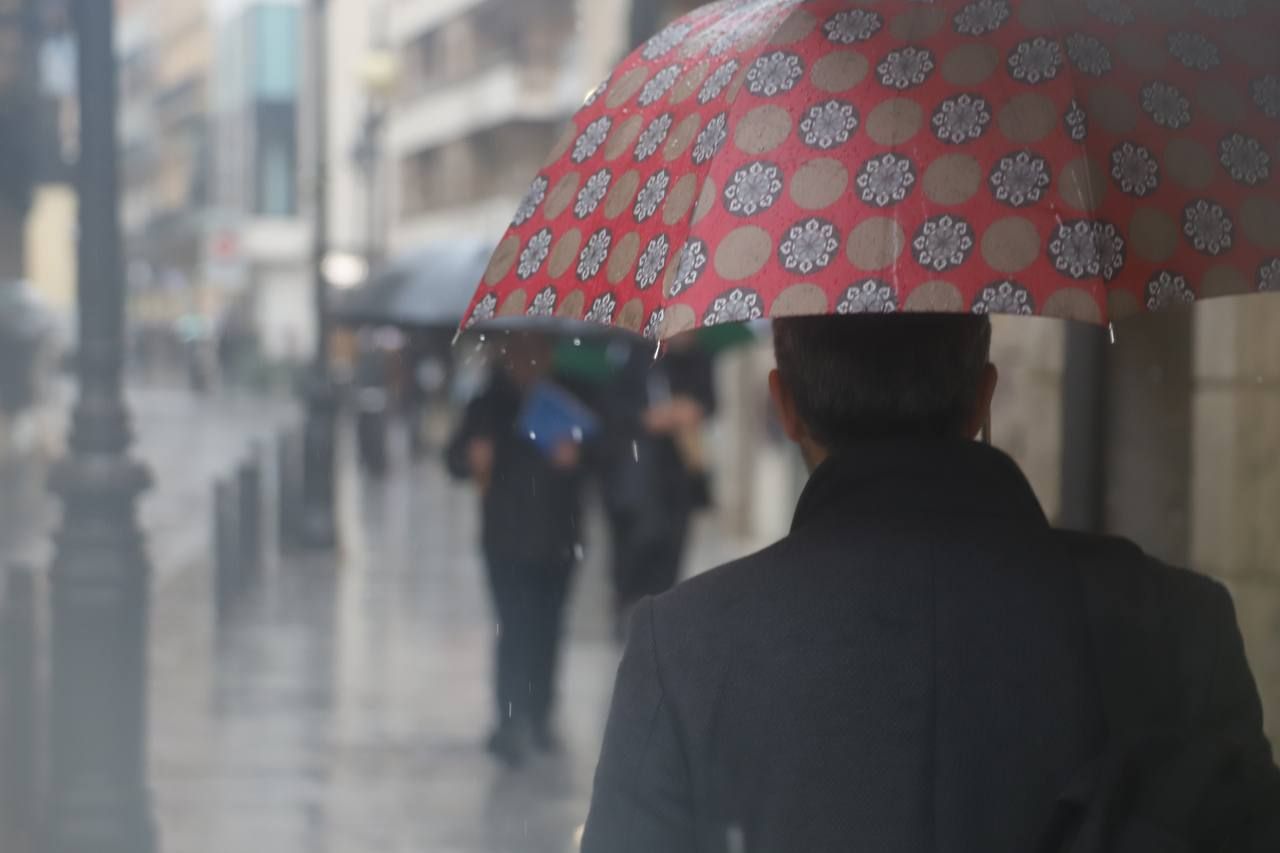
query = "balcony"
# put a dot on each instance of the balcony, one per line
(505, 92)
(411, 18)
(486, 219)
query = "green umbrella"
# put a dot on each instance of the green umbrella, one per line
(598, 360)
(724, 337)
(591, 361)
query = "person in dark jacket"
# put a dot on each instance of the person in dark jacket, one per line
(530, 507)
(912, 669)
(652, 479)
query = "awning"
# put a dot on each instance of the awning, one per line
(428, 287)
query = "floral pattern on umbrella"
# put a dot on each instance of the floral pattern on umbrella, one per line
(1079, 158)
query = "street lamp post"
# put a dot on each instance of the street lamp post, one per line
(98, 797)
(368, 158)
(378, 75)
(319, 522)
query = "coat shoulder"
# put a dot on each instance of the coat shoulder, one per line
(732, 581)
(1170, 618)
(1141, 579)
(711, 606)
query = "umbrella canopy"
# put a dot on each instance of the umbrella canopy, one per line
(1088, 159)
(427, 288)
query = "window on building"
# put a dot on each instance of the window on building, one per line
(276, 195)
(275, 166)
(276, 55)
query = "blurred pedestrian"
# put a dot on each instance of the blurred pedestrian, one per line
(237, 347)
(530, 508)
(653, 473)
(924, 664)
(373, 401)
(429, 378)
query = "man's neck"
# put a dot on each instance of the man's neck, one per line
(814, 454)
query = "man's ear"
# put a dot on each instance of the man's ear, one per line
(785, 406)
(986, 394)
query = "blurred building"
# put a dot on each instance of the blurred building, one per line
(211, 169)
(359, 76)
(485, 88)
(259, 249)
(19, 53)
(165, 49)
(484, 91)
(32, 174)
(216, 114)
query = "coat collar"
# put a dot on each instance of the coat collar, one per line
(910, 477)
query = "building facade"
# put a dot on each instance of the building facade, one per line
(212, 171)
(19, 51)
(257, 253)
(485, 88)
(218, 140)
(36, 232)
(165, 54)
(358, 177)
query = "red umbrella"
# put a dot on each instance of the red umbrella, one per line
(1087, 159)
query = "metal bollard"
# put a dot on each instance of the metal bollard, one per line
(288, 488)
(226, 547)
(19, 702)
(250, 518)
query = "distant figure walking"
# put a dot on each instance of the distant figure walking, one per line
(530, 514)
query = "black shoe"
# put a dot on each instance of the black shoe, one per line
(509, 745)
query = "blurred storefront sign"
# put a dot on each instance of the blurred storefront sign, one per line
(225, 267)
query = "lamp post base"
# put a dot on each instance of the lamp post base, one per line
(98, 797)
(100, 587)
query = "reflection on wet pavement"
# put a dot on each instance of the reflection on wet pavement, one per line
(343, 706)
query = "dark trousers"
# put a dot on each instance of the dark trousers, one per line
(529, 597)
(647, 553)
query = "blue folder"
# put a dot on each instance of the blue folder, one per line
(552, 416)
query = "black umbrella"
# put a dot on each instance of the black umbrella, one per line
(428, 287)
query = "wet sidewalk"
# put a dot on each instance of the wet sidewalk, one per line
(186, 442)
(342, 708)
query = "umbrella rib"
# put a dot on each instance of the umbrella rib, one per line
(1057, 30)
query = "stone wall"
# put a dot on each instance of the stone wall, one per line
(1026, 419)
(1235, 472)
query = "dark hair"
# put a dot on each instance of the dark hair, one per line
(856, 378)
